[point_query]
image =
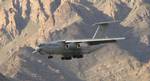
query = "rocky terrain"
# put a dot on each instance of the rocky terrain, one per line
(26, 23)
(3, 78)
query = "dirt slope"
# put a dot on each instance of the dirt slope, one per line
(25, 23)
(3, 78)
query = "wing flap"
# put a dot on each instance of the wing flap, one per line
(101, 42)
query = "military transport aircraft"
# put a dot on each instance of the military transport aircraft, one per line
(69, 49)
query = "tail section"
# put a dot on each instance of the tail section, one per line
(101, 25)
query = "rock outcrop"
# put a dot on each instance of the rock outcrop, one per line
(26, 23)
(3, 78)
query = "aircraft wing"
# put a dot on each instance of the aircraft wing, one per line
(95, 41)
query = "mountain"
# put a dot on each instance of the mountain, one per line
(3, 78)
(26, 23)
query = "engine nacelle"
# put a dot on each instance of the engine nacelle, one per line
(73, 45)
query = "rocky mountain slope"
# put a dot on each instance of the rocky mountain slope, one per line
(3, 78)
(26, 23)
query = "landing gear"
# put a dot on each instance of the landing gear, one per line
(70, 57)
(66, 58)
(78, 56)
(50, 57)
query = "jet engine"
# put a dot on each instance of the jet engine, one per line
(72, 45)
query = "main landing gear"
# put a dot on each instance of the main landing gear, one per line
(78, 56)
(70, 57)
(50, 57)
(66, 58)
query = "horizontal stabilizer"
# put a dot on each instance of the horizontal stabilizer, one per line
(105, 23)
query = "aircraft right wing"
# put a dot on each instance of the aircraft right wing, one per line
(95, 41)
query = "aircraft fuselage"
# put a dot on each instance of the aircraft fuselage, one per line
(60, 48)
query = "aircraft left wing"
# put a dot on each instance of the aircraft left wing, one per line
(95, 41)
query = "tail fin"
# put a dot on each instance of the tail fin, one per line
(100, 25)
